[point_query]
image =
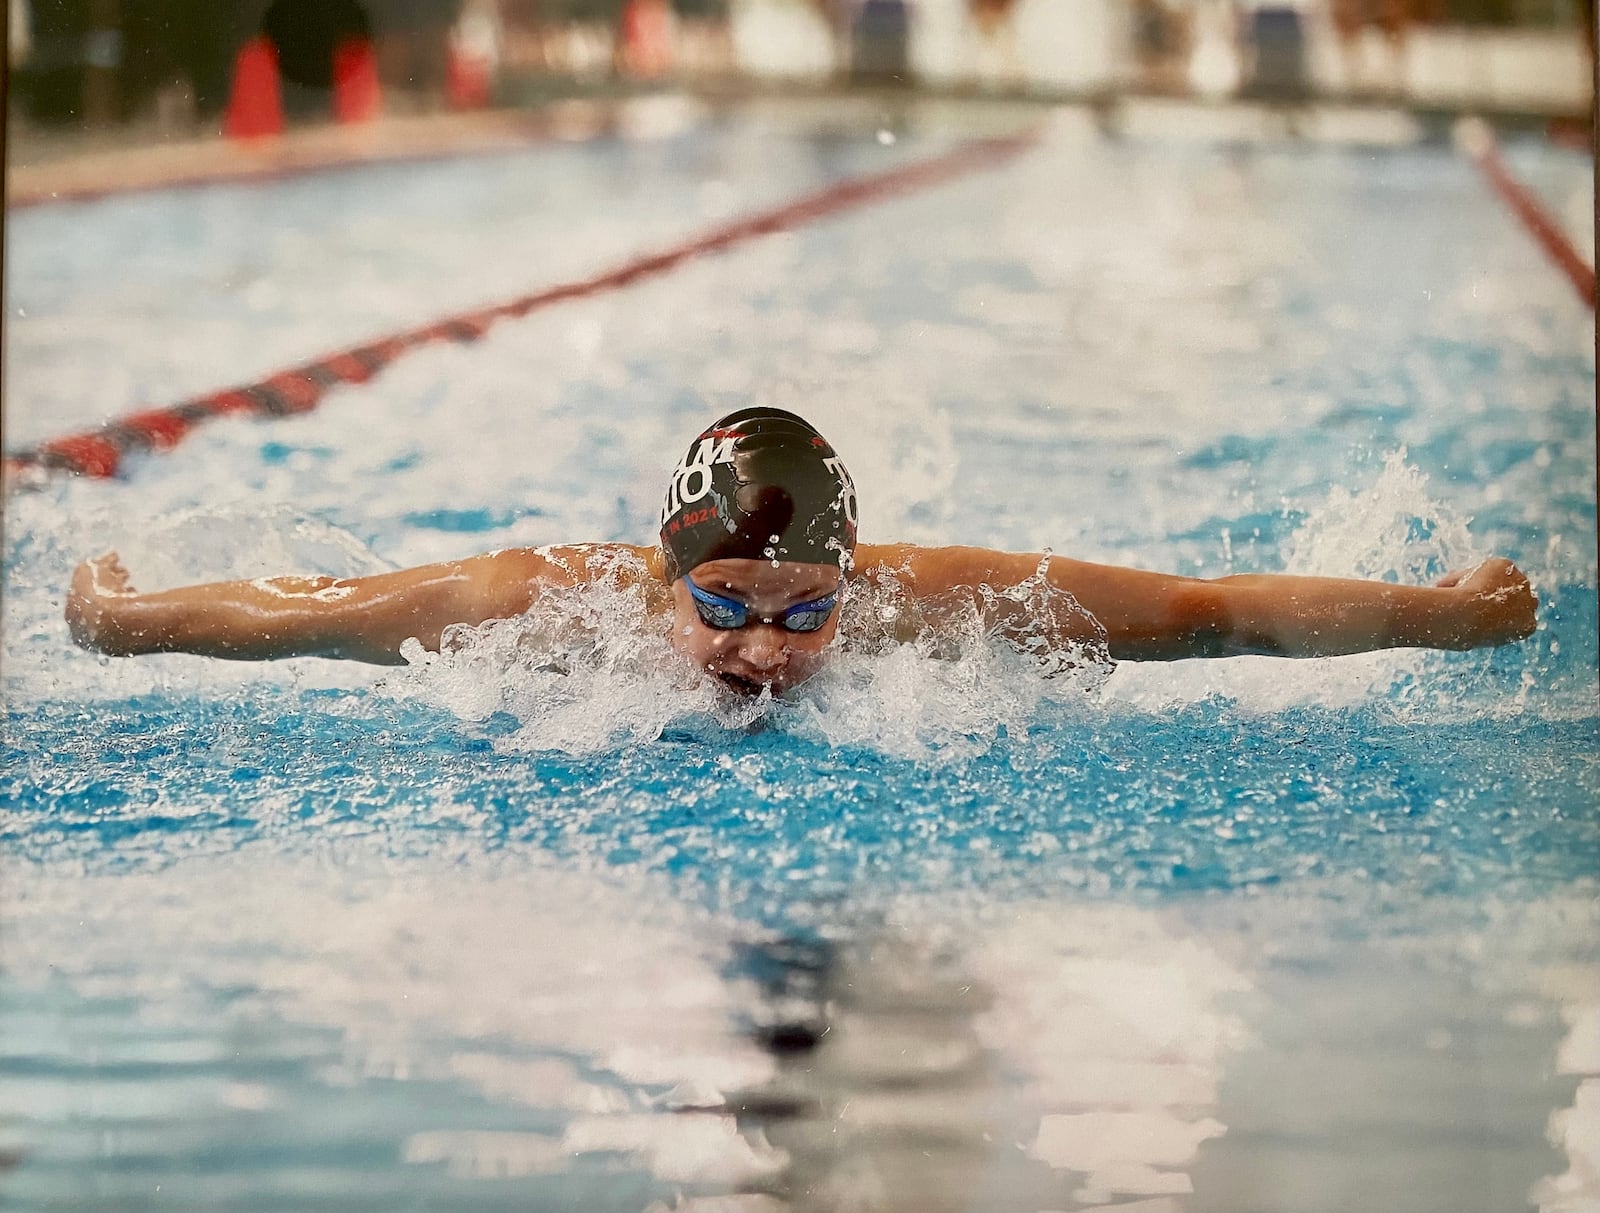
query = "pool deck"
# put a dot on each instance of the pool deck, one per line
(47, 167)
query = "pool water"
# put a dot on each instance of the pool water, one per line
(528, 926)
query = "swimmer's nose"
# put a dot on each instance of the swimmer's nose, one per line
(765, 648)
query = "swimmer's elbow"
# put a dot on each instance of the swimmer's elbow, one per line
(1204, 619)
(1201, 621)
(1184, 619)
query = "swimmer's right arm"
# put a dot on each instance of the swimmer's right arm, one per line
(358, 618)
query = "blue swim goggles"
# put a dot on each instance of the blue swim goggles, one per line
(726, 614)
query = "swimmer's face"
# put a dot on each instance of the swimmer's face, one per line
(759, 653)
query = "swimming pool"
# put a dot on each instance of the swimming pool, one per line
(1247, 935)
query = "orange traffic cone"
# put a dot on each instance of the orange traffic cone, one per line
(357, 95)
(647, 38)
(255, 105)
(466, 79)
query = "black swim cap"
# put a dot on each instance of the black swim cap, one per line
(760, 484)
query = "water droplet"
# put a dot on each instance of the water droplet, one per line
(886, 137)
(774, 564)
(773, 538)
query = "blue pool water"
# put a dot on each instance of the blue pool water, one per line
(475, 934)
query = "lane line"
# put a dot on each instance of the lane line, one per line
(1479, 142)
(100, 452)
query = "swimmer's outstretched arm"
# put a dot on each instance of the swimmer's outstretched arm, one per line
(359, 618)
(1158, 617)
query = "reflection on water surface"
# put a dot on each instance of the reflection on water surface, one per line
(501, 1034)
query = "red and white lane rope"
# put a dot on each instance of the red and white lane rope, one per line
(1478, 141)
(100, 452)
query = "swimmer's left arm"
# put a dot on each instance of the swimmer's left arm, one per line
(1159, 617)
(1491, 604)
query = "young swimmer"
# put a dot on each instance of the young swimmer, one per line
(758, 538)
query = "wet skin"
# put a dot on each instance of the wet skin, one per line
(758, 654)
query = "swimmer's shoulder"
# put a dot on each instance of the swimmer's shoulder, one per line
(876, 560)
(580, 563)
(931, 570)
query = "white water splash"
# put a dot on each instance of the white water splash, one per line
(1394, 531)
(584, 669)
(951, 690)
(590, 668)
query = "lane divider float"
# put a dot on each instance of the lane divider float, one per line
(1475, 138)
(101, 452)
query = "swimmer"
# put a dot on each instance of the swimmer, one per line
(757, 545)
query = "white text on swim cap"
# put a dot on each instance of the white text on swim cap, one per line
(692, 479)
(847, 487)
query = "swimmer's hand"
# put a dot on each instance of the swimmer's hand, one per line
(1494, 605)
(99, 587)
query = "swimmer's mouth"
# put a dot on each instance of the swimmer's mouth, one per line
(743, 685)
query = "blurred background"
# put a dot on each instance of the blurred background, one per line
(160, 69)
